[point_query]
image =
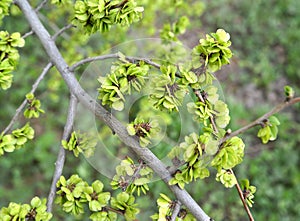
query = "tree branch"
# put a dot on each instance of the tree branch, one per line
(237, 185)
(41, 5)
(109, 56)
(27, 34)
(59, 164)
(91, 59)
(101, 113)
(22, 106)
(176, 210)
(62, 30)
(259, 120)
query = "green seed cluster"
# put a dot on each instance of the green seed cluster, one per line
(34, 107)
(214, 50)
(167, 93)
(192, 151)
(36, 210)
(15, 140)
(209, 107)
(80, 143)
(165, 210)
(230, 154)
(100, 15)
(123, 79)
(169, 32)
(226, 177)
(145, 130)
(4, 8)
(75, 193)
(132, 178)
(198, 152)
(9, 56)
(126, 203)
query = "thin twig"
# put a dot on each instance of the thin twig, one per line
(41, 5)
(237, 185)
(120, 212)
(100, 112)
(259, 120)
(176, 210)
(91, 59)
(136, 172)
(27, 34)
(62, 30)
(22, 106)
(146, 60)
(120, 5)
(211, 118)
(57, 34)
(198, 94)
(59, 164)
(110, 56)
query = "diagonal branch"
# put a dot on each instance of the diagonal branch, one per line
(62, 30)
(41, 5)
(101, 113)
(22, 106)
(59, 164)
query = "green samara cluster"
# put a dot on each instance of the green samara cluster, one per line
(36, 210)
(100, 15)
(131, 177)
(80, 143)
(165, 210)
(123, 80)
(16, 139)
(76, 196)
(9, 56)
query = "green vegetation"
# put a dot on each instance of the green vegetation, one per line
(260, 46)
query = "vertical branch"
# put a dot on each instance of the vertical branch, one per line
(237, 185)
(176, 210)
(59, 164)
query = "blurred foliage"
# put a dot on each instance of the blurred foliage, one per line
(269, 30)
(265, 40)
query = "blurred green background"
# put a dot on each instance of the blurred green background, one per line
(265, 39)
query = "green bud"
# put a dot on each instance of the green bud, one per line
(226, 178)
(269, 130)
(289, 92)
